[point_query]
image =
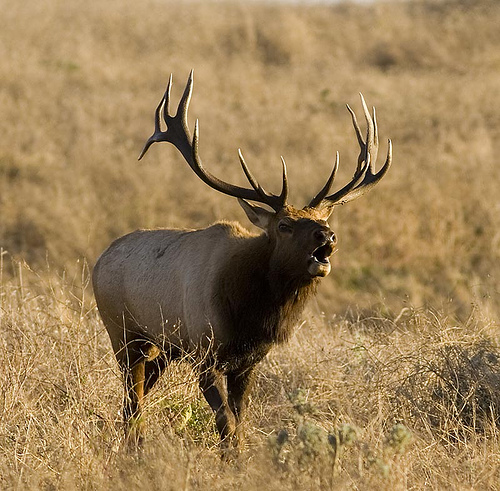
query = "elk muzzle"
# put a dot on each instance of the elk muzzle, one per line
(319, 261)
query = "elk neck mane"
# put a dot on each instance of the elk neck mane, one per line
(262, 302)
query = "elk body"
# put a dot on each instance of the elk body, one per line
(221, 296)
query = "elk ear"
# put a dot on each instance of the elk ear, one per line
(260, 217)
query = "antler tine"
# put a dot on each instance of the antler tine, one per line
(375, 134)
(359, 136)
(182, 108)
(166, 101)
(177, 133)
(157, 132)
(326, 188)
(284, 187)
(370, 147)
(369, 180)
(275, 202)
(249, 175)
(364, 178)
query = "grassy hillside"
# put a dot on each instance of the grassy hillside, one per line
(404, 330)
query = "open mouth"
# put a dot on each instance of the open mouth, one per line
(319, 262)
(322, 253)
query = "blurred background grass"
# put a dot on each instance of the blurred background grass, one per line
(404, 329)
(80, 82)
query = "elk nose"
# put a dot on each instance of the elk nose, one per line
(325, 236)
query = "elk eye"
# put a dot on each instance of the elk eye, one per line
(285, 228)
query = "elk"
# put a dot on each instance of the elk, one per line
(221, 295)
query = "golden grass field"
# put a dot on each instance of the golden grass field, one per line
(392, 381)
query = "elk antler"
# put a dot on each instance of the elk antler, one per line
(364, 178)
(178, 134)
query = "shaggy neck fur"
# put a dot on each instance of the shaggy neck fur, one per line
(262, 299)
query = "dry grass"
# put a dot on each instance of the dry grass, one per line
(380, 402)
(396, 385)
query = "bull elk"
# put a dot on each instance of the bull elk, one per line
(221, 294)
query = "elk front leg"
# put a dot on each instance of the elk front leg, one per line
(238, 388)
(213, 388)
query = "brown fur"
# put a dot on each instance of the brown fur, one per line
(221, 294)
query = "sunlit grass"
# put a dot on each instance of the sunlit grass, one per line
(401, 344)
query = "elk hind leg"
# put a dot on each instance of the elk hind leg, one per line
(133, 361)
(153, 370)
(156, 361)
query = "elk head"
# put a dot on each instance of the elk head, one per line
(300, 240)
